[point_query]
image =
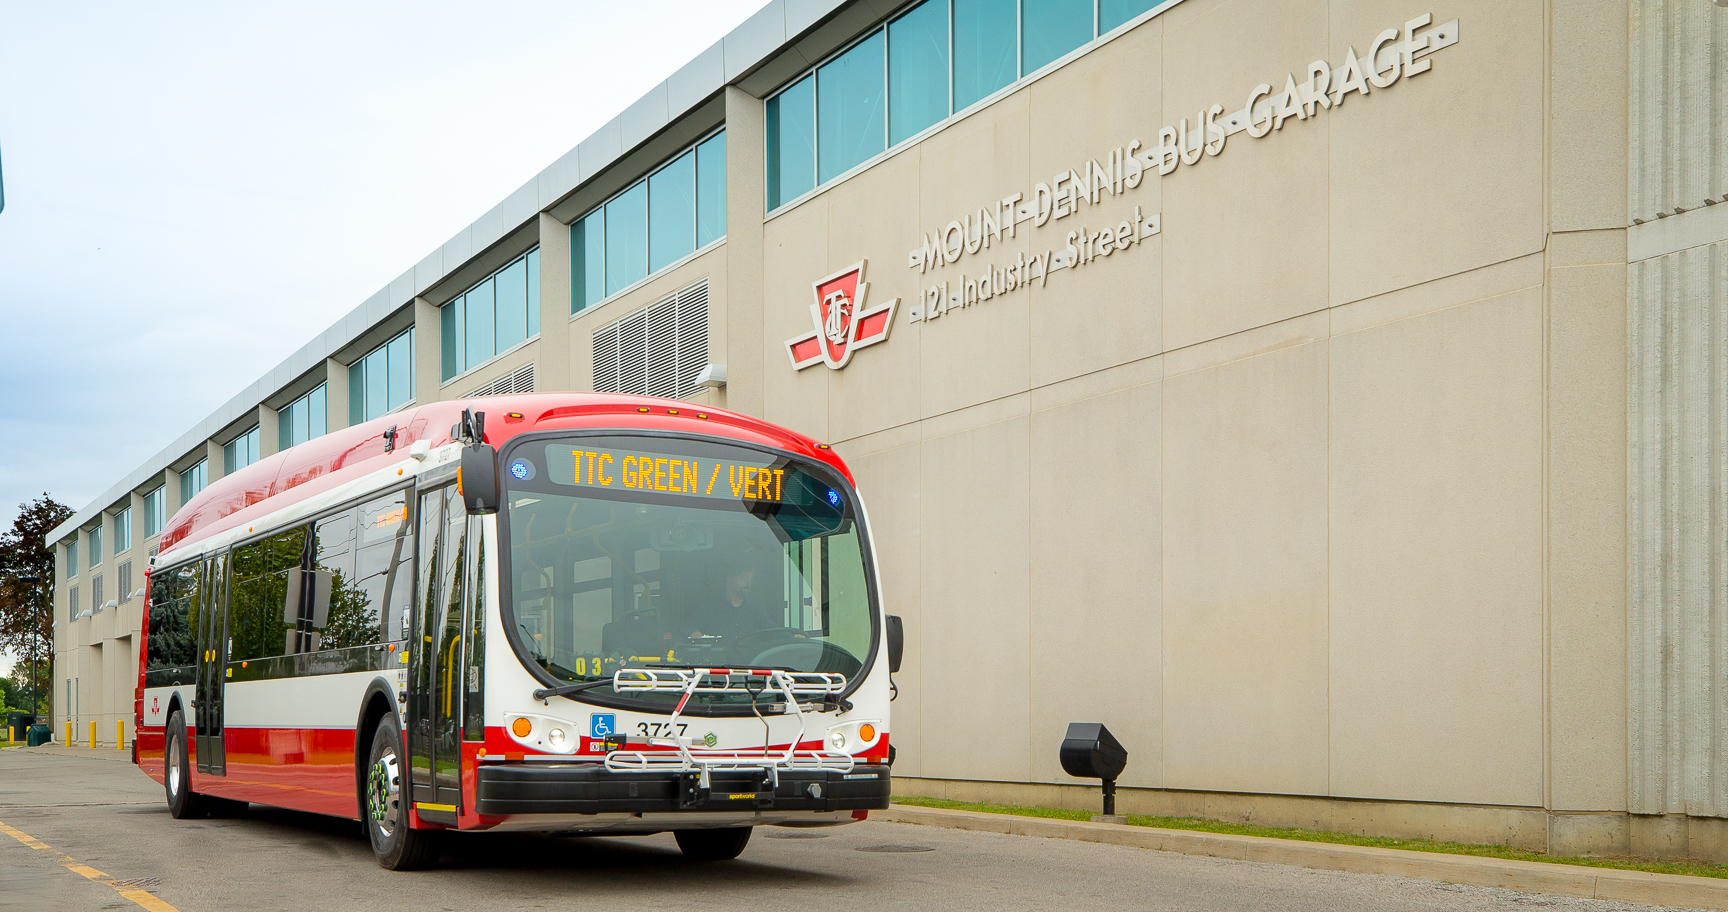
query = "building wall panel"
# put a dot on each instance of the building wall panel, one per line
(1679, 519)
(1679, 85)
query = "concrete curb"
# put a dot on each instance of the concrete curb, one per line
(1534, 876)
(61, 750)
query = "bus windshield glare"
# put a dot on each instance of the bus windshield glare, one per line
(634, 551)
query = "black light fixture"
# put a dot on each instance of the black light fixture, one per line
(1089, 751)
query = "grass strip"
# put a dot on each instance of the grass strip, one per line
(1204, 825)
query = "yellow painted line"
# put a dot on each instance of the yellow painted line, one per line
(143, 898)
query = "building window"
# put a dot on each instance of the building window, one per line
(123, 531)
(72, 601)
(93, 539)
(194, 480)
(675, 211)
(936, 59)
(240, 452)
(498, 313)
(96, 602)
(917, 71)
(155, 511)
(383, 381)
(72, 557)
(658, 350)
(123, 581)
(304, 418)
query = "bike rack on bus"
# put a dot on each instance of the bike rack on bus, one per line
(685, 757)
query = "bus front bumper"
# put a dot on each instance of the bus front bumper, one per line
(589, 788)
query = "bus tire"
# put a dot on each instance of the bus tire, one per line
(398, 846)
(183, 803)
(712, 845)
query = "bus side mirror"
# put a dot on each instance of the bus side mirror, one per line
(896, 642)
(477, 479)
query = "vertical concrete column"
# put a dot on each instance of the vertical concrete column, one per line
(335, 394)
(213, 464)
(428, 351)
(552, 371)
(170, 493)
(269, 432)
(741, 325)
(140, 556)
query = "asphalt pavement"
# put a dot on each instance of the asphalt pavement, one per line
(84, 830)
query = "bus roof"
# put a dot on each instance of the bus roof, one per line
(338, 457)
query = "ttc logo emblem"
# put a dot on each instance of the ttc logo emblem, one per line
(843, 324)
(155, 706)
(602, 725)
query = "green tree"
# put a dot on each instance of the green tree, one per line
(26, 580)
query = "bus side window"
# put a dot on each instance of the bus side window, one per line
(171, 649)
(258, 609)
(340, 611)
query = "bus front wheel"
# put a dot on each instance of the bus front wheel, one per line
(398, 847)
(712, 845)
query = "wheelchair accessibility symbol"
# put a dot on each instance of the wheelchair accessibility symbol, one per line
(602, 724)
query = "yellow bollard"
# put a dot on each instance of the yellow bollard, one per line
(119, 734)
(92, 734)
(68, 732)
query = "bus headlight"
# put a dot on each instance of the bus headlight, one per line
(542, 733)
(854, 737)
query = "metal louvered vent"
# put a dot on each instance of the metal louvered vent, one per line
(520, 380)
(658, 350)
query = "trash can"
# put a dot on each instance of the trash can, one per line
(18, 723)
(39, 734)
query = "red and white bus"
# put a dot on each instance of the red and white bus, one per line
(573, 613)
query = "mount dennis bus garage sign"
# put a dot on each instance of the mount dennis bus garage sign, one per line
(1391, 55)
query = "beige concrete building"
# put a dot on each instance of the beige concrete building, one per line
(1327, 395)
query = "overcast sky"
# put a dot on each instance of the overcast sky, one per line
(194, 191)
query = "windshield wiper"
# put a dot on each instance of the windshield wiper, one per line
(545, 694)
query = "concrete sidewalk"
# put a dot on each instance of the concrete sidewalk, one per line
(1534, 876)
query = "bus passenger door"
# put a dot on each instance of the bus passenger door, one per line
(212, 633)
(435, 698)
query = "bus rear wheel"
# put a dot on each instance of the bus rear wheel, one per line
(712, 845)
(183, 804)
(398, 847)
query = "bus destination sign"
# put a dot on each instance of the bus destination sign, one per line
(720, 479)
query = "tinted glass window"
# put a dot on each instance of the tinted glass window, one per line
(361, 588)
(123, 531)
(510, 294)
(849, 109)
(917, 70)
(627, 238)
(1051, 28)
(672, 212)
(711, 190)
(1112, 13)
(450, 338)
(588, 261)
(155, 511)
(984, 44)
(791, 153)
(532, 261)
(377, 383)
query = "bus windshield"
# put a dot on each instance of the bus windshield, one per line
(634, 551)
